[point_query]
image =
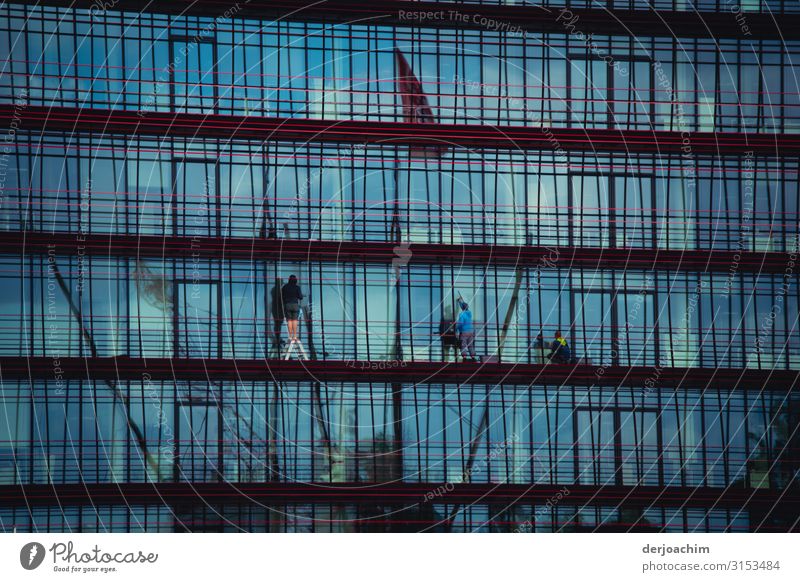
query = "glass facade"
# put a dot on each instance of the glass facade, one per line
(148, 62)
(56, 430)
(66, 431)
(79, 432)
(358, 518)
(203, 308)
(214, 188)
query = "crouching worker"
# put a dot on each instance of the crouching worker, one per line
(559, 350)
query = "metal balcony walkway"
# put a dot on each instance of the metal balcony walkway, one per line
(178, 369)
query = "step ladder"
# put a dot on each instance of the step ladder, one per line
(295, 346)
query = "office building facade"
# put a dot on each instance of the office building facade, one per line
(636, 190)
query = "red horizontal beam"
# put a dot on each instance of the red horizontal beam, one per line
(381, 252)
(100, 121)
(472, 16)
(408, 494)
(172, 369)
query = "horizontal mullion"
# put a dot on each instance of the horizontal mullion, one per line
(101, 121)
(385, 252)
(176, 369)
(488, 17)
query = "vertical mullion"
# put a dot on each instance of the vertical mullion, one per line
(681, 419)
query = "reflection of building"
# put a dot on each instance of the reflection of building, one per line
(165, 180)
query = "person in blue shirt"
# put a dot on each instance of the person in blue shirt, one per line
(466, 332)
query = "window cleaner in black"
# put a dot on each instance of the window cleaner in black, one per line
(291, 296)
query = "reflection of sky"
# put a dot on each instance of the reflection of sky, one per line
(204, 308)
(337, 193)
(533, 434)
(50, 432)
(290, 69)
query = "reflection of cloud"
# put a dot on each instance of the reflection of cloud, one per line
(153, 287)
